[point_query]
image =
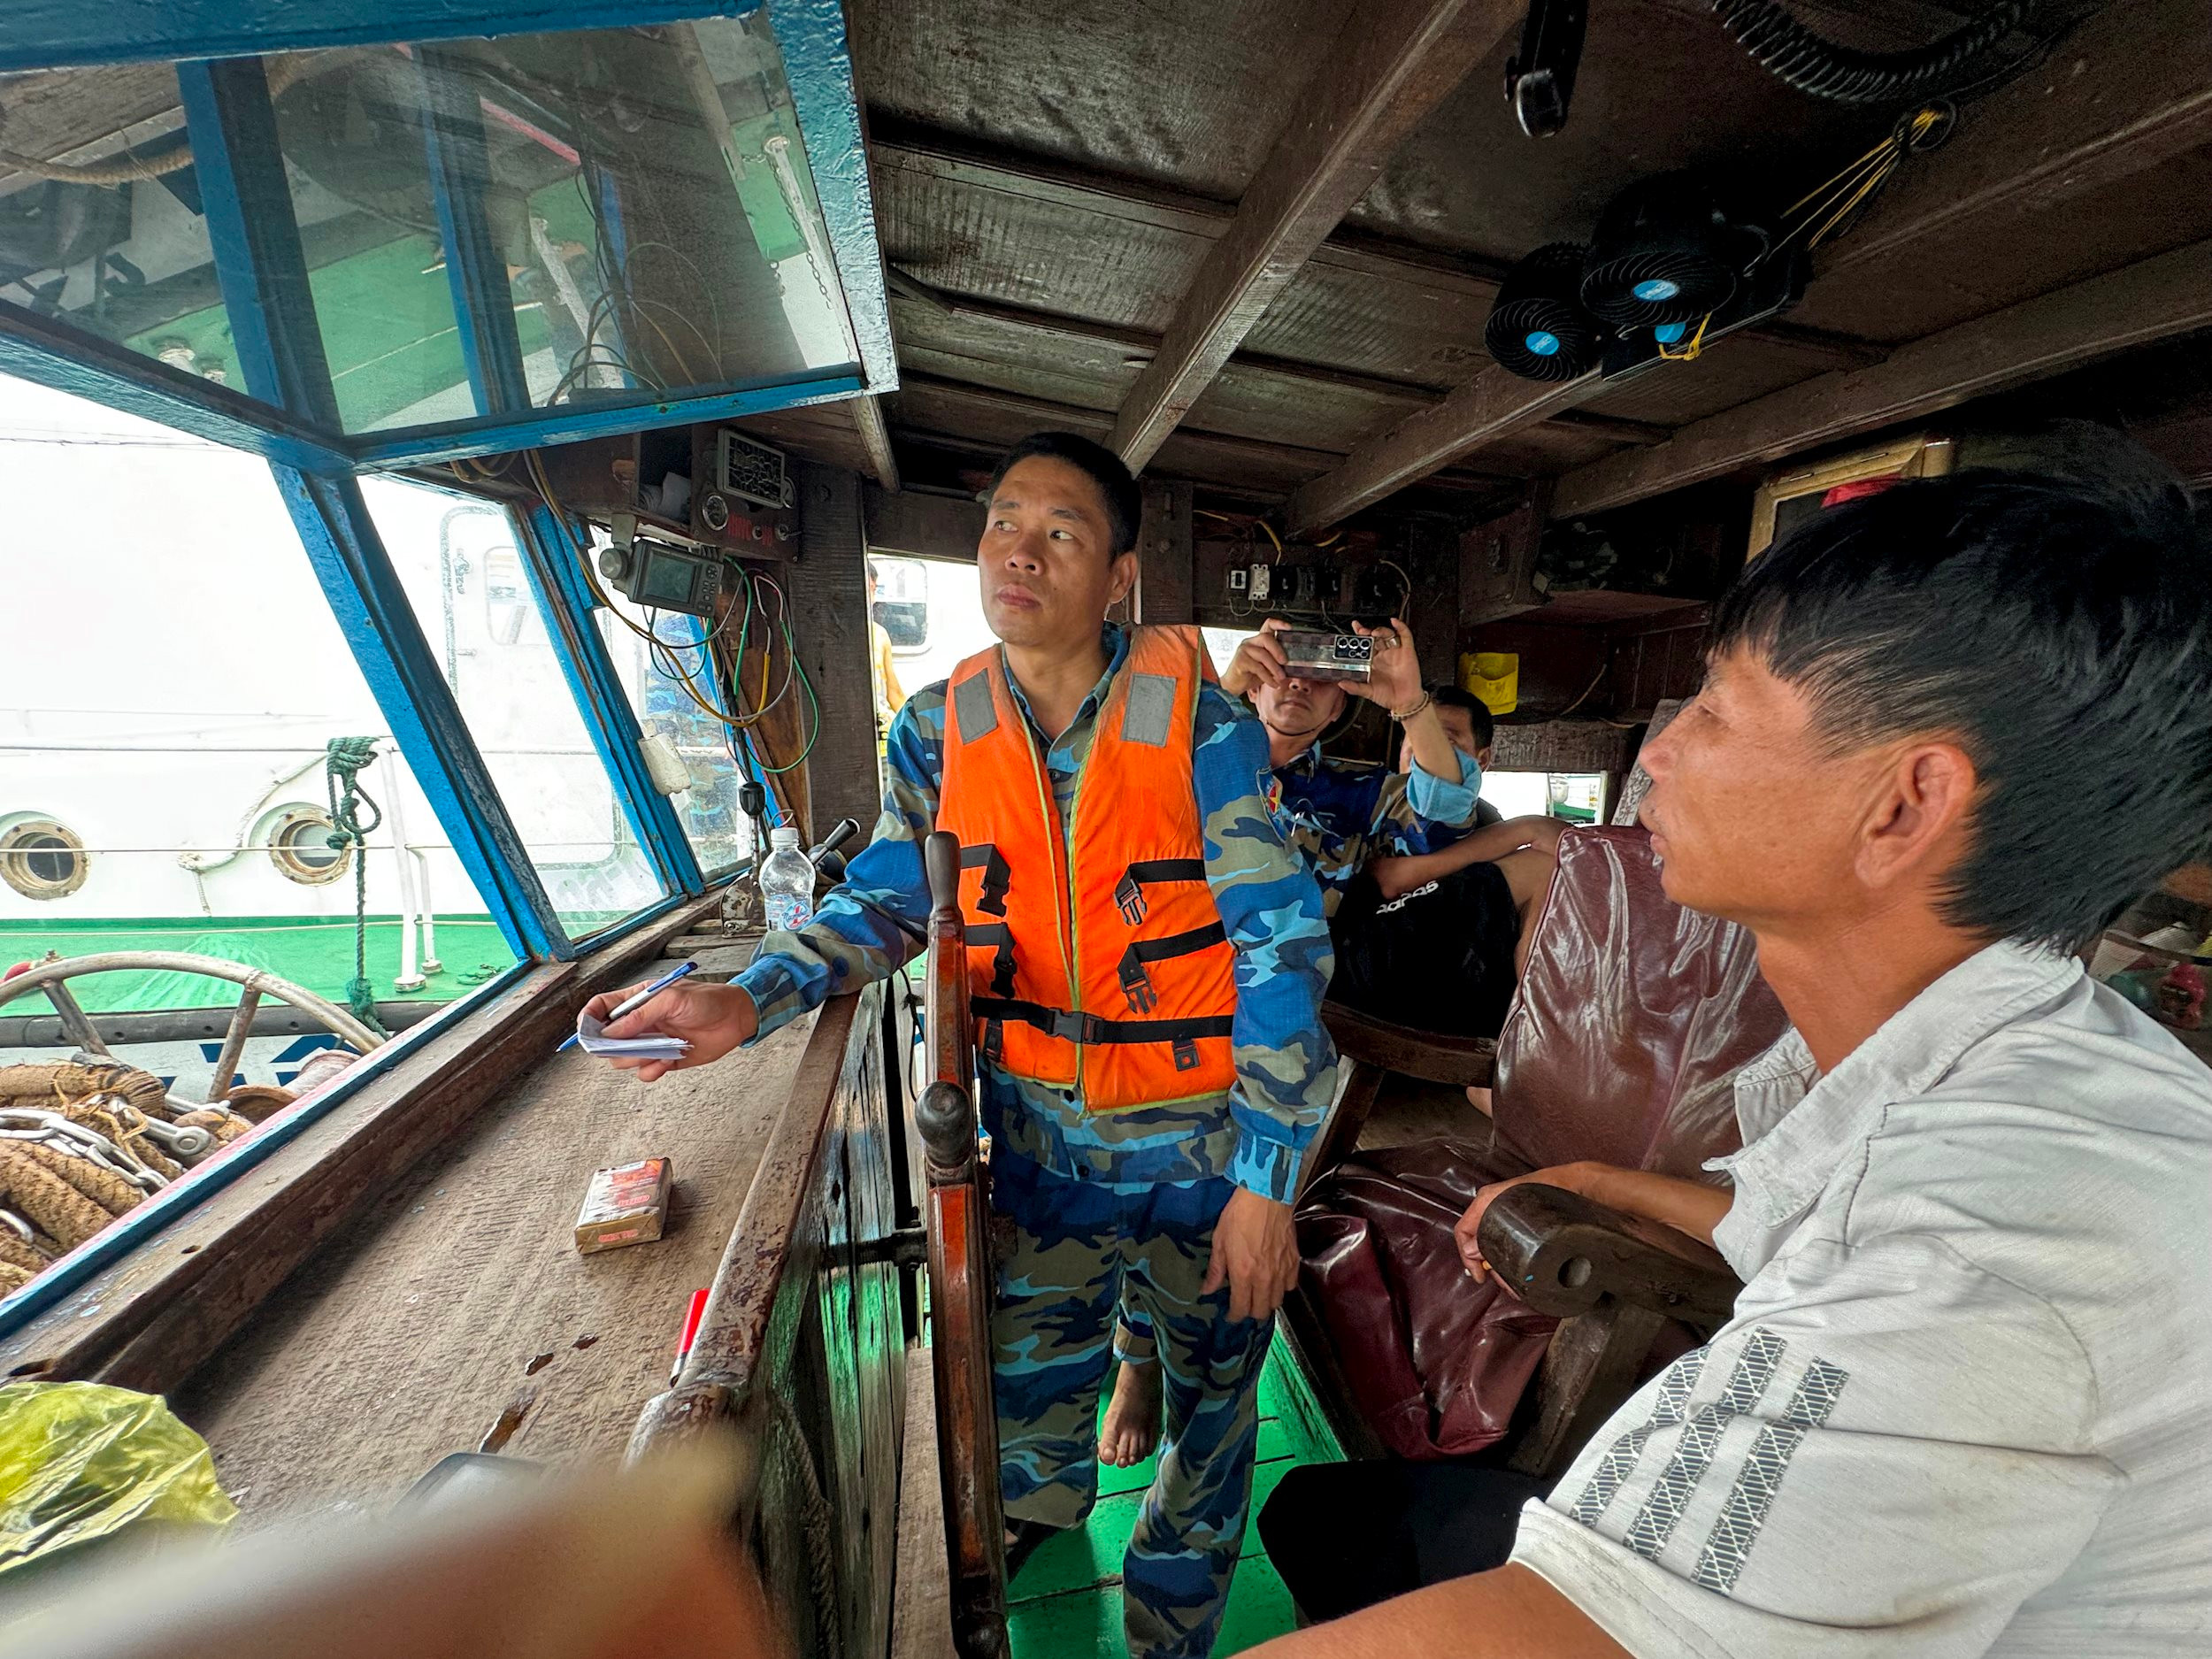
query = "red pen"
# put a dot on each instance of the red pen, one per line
(691, 1317)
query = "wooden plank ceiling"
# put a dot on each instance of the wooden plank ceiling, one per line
(1058, 195)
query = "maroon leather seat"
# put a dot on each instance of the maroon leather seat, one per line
(1620, 1045)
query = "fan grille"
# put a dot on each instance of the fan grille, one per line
(1668, 286)
(1515, 326)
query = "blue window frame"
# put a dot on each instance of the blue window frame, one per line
(422, 236)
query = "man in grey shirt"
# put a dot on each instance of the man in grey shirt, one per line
(1947, 733)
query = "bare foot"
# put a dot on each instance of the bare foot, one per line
(1132, 1421)
(1479, 1099)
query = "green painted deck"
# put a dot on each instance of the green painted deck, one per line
(1066, 1603)
(316, 952)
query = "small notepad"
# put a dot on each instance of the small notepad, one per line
(591, 1037)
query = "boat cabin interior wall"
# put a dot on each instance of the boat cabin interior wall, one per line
(713, 307)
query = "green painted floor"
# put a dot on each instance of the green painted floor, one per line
(1066, 1603)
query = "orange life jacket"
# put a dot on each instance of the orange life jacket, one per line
(1097, 962)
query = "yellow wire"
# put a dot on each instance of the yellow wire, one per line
(1697, 343)
(1277, 540)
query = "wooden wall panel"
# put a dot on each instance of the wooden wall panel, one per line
(828, 590)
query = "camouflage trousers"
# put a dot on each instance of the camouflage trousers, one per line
(1080, 1249)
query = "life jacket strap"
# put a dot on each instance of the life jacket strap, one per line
(1093, 1030)
(998, 875)
(1136, 984)
(1129, 892)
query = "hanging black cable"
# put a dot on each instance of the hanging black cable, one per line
(1789, 51)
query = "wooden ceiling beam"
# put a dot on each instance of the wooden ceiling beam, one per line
(876, 438)
(1391, 64)
(1135, 342)
(2135, 305)
(1492, 405)
(1471, 279)
(2133, 88)
(2129, 89)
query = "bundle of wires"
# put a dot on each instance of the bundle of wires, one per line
(699, 678)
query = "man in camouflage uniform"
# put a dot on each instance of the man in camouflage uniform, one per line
(1339, 819)
(1183, 1208)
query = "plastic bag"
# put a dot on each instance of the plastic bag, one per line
(81, 1461)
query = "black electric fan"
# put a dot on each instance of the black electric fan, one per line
(1666, 251)
(1538, 327)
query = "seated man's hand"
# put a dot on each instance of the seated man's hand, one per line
(1254, 1254)
(1568, 1176)
(712, 1018)
(1259, 661)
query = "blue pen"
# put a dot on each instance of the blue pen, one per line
(630, 1005)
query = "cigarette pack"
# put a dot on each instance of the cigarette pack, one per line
(627, 1204)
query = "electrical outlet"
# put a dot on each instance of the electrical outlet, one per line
(1238, 579)
(1262, 576)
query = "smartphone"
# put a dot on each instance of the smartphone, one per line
(1318, 655)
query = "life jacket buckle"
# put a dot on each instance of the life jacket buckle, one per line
(1136, 984)
(1186, 1055)
(1129, 894)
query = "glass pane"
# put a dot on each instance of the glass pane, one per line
(105, 231)
(164, 772)
(654, 225)
(664, 663)
(463, 571)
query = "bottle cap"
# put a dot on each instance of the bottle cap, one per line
(784, 835)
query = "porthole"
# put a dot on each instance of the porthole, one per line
(41, 859)
(299, 841)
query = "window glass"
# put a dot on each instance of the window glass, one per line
(1571, 796)
(665, 665)
(174, 680)
(119, 248)
(458, 560)
(653, 223)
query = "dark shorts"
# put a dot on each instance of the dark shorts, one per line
(1439, 959)
(1345, 1536)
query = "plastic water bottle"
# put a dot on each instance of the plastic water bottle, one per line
(786, 882)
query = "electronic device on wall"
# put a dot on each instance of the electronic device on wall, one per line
(751, 471)
(664, 576)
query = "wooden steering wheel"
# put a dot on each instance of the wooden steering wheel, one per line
(253, 983)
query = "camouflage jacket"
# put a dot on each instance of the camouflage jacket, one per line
(1271, 907)
(1339, 817)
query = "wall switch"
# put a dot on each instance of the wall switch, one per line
(1237, 580)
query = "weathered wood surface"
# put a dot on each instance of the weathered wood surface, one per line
(926, 526)
(921, 1597)
(148, 1320)
(1166, 560)
(827, 592)
(1561, 746)
(1589, 1369)
(2129, 90)
(1364, 93)
(2137, 306)
(1490, 405)
(459, 1300)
